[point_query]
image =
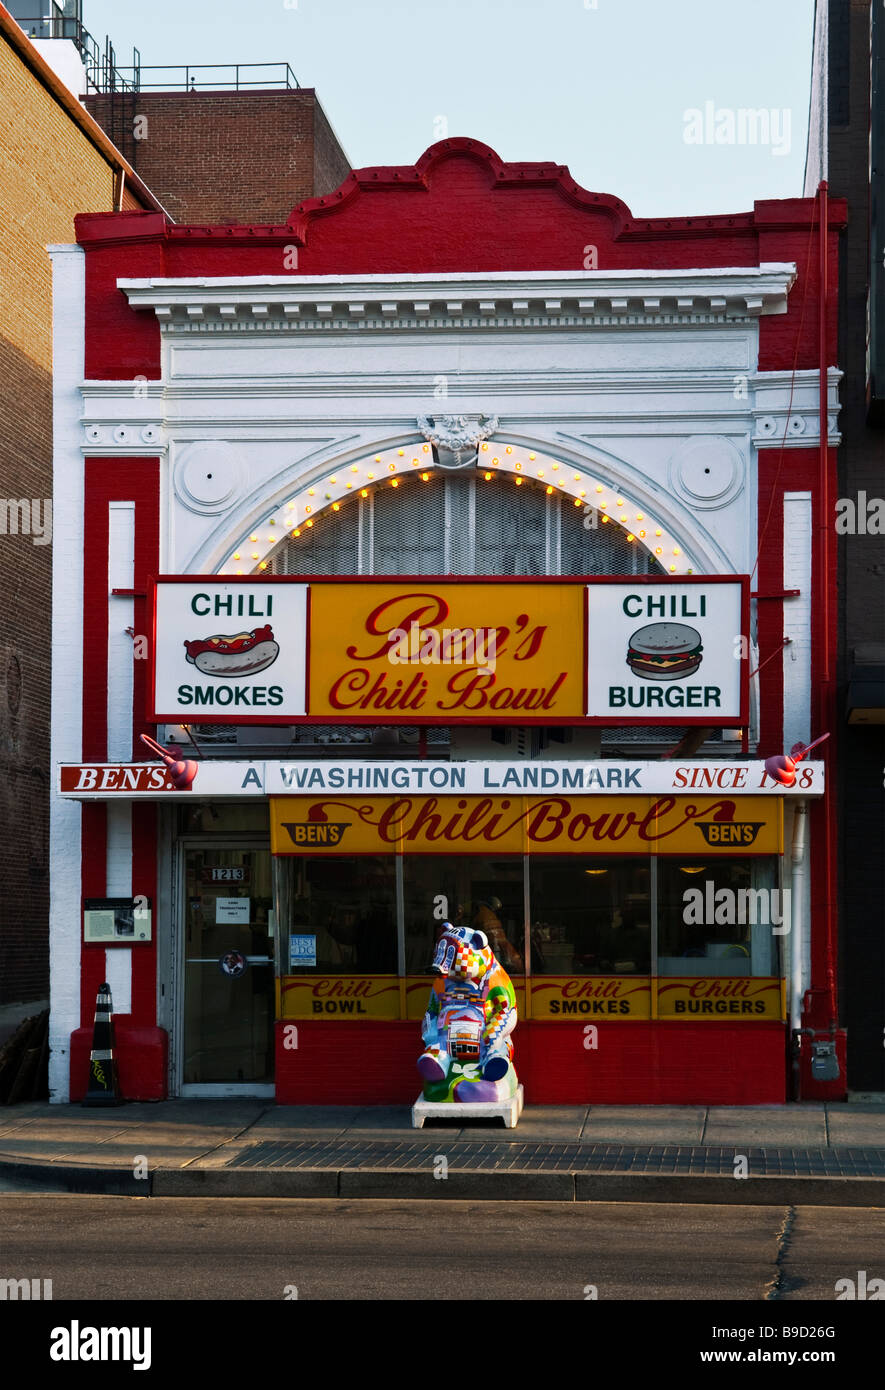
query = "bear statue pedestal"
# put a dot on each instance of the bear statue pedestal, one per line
(508, 1110)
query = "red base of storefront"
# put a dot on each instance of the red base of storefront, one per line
(360, 1064)
(632, 1064)
(141, 1055)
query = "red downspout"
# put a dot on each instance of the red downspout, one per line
(823, 515)
(825, 683)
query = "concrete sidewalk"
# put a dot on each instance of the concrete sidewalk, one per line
(826, 1154)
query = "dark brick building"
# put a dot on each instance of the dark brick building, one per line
(220, 156)
(226, 156)
(54, 162)
(847, 148)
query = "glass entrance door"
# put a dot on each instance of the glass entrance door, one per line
(228, 966)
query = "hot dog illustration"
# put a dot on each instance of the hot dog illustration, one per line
(240, 655)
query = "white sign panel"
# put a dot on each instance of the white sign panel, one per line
(217, 779)
(230, 653)
(669, 653)
(231, 912)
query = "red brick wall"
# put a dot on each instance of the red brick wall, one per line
(221, 157)
(330, 166)
(25, 585)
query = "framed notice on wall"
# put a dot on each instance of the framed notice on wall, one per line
(116, 921)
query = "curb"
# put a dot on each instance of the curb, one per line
(387, 1184)
(76, 1177)
(490, 1187)
(245, 1182)
(726, 1191)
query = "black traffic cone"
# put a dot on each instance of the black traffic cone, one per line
(103, 1087)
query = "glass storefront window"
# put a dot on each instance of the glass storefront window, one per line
(590, 916)
(469, 891)
(342, 915)
(719, 917)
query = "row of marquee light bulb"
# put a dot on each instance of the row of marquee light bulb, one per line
(311, 502)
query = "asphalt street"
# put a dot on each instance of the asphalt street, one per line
(264, 1249)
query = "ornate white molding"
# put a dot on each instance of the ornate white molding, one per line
(125, 437)
(208, 476)
(610, 403)
(786, 409)
(381, 303)
(456, 438)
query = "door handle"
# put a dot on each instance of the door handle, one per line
(213, 960)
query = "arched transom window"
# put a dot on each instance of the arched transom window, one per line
(460, 523)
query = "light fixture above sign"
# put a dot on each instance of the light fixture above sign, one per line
(295, 516)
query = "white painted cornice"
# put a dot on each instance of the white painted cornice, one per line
(786, 409)
(527, 300)
(775, 409)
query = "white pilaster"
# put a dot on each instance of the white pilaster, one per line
(68, 289)
(797, 618)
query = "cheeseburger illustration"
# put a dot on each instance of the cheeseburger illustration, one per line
(240, 655)
(664, 651)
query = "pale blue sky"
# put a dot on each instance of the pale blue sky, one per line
(604, 90)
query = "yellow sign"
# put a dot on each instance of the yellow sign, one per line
(699, 825)
(565, 998)
(386, 653)
(750, 997)
(594, 998)
(340, 996)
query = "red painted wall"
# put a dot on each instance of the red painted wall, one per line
(143, 1045)
(512, 217)
(634, 1063)
(141, 1055)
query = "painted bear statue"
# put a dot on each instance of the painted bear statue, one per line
(468, 1055)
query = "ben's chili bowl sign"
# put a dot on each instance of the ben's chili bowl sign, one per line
(432, 651)
(553, 824)
(436, 651)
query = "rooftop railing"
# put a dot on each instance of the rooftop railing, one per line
(105, 75)
(225, 77)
